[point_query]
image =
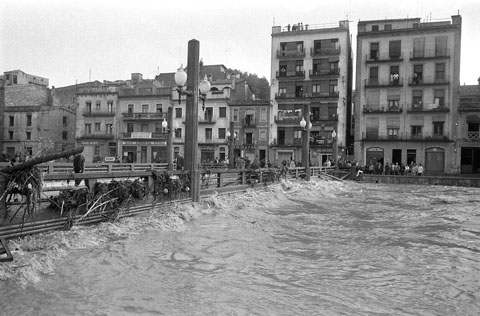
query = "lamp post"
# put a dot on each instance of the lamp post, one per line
(231, 136)
(191, 78)
(306, 125)
(334, 139)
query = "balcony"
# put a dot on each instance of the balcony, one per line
(96, 136)
(430, 54)
(382, 57)
(249, 123)
(291, 53)
(288, 117)
(404, 136)
(144, 116)
(428, 81)
(207, 120)
(332, 51)
(144, 135)
(87, 113)
(324, 73)
(291, 74)
(420, 107)
(473, 135)
(147, 91)
(374, 109)
(330, 94)
(379, 83)
(289, 95)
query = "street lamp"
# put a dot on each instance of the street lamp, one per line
(192, 91)
(306, 125)
(334, 138)
(231, 144)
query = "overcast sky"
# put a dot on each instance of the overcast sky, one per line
(74, 41)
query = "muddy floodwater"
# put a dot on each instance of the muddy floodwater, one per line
(318, 248)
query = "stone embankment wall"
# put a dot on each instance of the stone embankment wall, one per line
(427, 180)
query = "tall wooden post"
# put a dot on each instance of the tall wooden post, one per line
(170, 139)
(231, 145)
(306, 143)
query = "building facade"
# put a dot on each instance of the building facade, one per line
(467, 141)
(407, 78)
(311, 71)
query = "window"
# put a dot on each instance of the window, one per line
(29, 135)
(283, 69)
(374, 47)
(144, 108)
(29, 120)
(97, 127)
(392, 132)
(388, 27)
(440, 72)
(438, 128)
(297, 134)
(440, 46)
(373, 80)
(282, 91)
(208, 114)
(178, 112)
(158, 128)
(263, 115)
(374, 28)
(130, 108)
(144, 128)
(222, 111)
(315, 88)
(299, 67)
(88, 128)
(395, 48)
(235, 115)
(65, 121)
(417, 99)
(299, 90)
(249, 138)
(326, 46)
(88, 107)
(394, 102)
(417, 130)
(221, 133)
(15, 79)
(129, 127)
(394, 75)
(208, 133)
(333, 87)
(178, 133)
(418, 47)
(11, 121)
(159, 108)
(10, 135)
(439, 97)
(109, 128)
(64, 135)
(417, 74)
(98, 105)
(110, 106)
(96, 150)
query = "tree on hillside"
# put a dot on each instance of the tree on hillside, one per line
(259, 86)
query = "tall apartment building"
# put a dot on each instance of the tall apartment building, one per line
(35, 119)
(311, 69)
(407, 78)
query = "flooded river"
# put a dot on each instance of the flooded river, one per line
(322, 248)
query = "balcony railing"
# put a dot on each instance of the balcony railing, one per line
(430, 80)
(291, 53)
(98, 113)
(144, 135)
(382, 109)
(324, 51)
(325, 72)
(144, 115)
(126, 92)
(420, 107)
(383, 57)
(377, 82)
(405, 136)
(429, 54)
(331, 94)
(290, 74)
(207, 120)
(96, 136)
(473, 135)
(249, 123)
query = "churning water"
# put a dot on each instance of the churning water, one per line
(322, 248)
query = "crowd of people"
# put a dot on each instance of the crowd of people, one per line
(394, 168)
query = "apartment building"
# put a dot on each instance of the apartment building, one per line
(311, 74)
(35, 119)
(407, 78)
(467, 141)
